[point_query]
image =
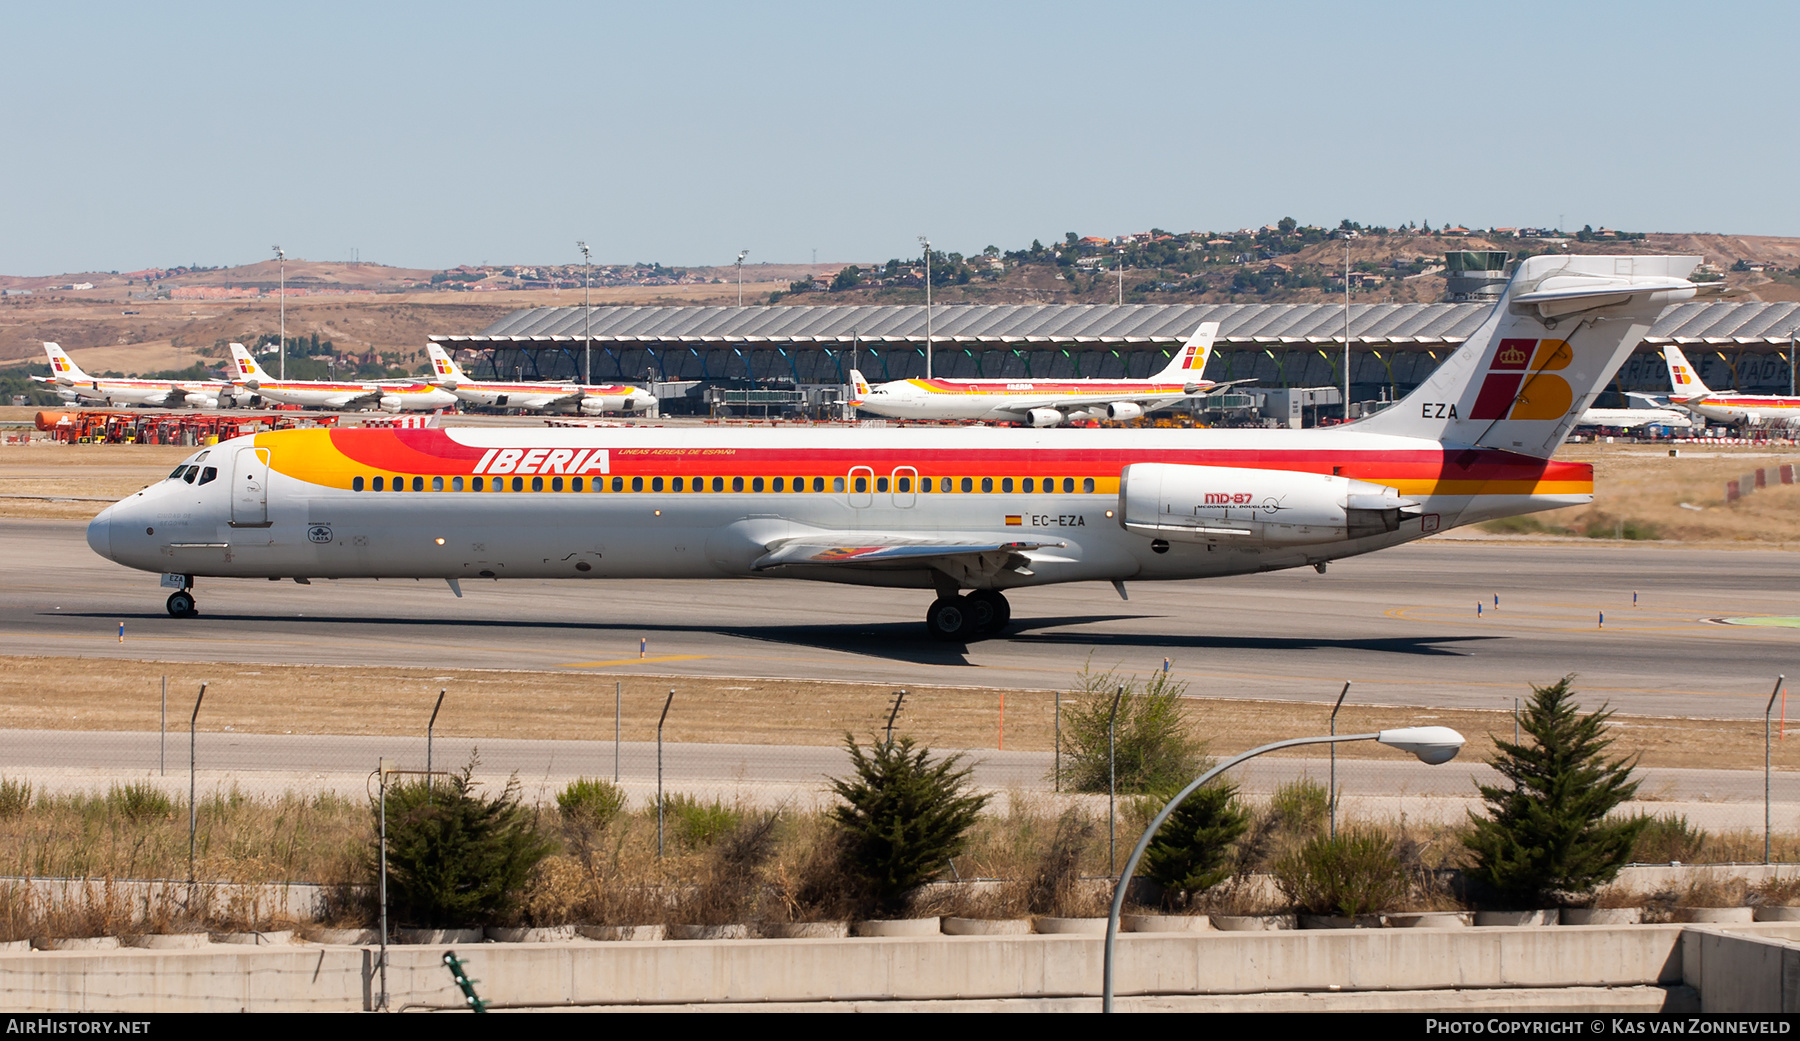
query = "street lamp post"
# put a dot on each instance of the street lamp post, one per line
(1121, 277)
(925, 242)
(281, 256)
(587, 315)
(742, 253)
(1433, 745)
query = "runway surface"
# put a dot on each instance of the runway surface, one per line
(1401, 623)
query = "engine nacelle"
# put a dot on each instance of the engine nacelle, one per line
(1124, 410)
(391, 403)
(1225, 504)
(592, 406)
(1044, 417)
(201, 401)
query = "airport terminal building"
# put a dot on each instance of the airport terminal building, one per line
(684, 353)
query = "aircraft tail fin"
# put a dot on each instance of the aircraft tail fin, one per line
(247, 369)
(1684, 379)
(444, 370)
(1559, 332)
(1189, 363)
(62, 367)
(859, 387)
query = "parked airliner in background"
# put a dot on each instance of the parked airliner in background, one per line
(1043, 403)
(387, 395)
(983, 509)
(72, 384)
(536, 397)
(1643, 411)
(1724, 406)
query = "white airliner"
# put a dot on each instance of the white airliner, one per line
(387, 395)
(985, 509)
(72, 384)
(1044, 403)
(1723, 406)
(1645, 411)
(589, 400)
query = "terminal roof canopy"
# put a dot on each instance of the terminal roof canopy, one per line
(1404, 326)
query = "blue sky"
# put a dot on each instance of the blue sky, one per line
(434, 134)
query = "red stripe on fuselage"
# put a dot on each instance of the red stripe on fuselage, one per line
(433, 452)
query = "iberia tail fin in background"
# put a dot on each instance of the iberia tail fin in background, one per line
(1559, 332)
(1189, 363)
(62, 367)
(859, 388)
(1684, 380)
(247, 369)
(444, 370)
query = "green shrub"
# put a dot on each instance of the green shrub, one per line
(1153, 748)
(1358, 872)
(455, 857)
(590, 801)
(904, 816)
(15, 797)
(1667, 839)
(698, 823)
(138, 801)
(1546, 834)
(1301, 806)
(1192, 850)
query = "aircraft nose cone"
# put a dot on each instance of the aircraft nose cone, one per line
(99, 534)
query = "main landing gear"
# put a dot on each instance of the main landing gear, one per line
(974, 615)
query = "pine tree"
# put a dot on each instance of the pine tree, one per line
(1192, 850)
(904, 816)
(1547, 832)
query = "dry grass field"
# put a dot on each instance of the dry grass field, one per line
(90, 694)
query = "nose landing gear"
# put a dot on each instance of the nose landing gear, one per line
(181, 605)
(979, 614)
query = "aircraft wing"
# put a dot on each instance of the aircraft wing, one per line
(981, 555)
(551, 401)
(1149, 399)
(356, 400)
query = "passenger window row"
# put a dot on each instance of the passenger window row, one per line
(863, 483)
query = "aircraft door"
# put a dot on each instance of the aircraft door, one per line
(250, 488)
(861, 487)
(906, 486)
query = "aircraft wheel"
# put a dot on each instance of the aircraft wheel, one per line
(950, 619)
(990, 610)
(181, 605)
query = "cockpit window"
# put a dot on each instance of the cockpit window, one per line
(177, 472)
(192, 472)
(208, 474)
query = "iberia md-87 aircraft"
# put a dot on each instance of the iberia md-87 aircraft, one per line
(1722, 406)
(72, 384)
(536, 397)
(968, 513)
(387, 395)
(1043, 403)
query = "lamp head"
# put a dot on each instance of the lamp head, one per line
(1433, 745)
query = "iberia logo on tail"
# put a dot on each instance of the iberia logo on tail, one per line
(1520, 384)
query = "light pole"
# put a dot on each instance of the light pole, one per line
(587, 315)
(925, 242)
(1121, 277)
(742, 253)
(1347, 235)
(281, 256)
(1433, 745)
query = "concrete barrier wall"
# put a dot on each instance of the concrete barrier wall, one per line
(802, 971)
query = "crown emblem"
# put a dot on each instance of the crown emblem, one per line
(1511, 356)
